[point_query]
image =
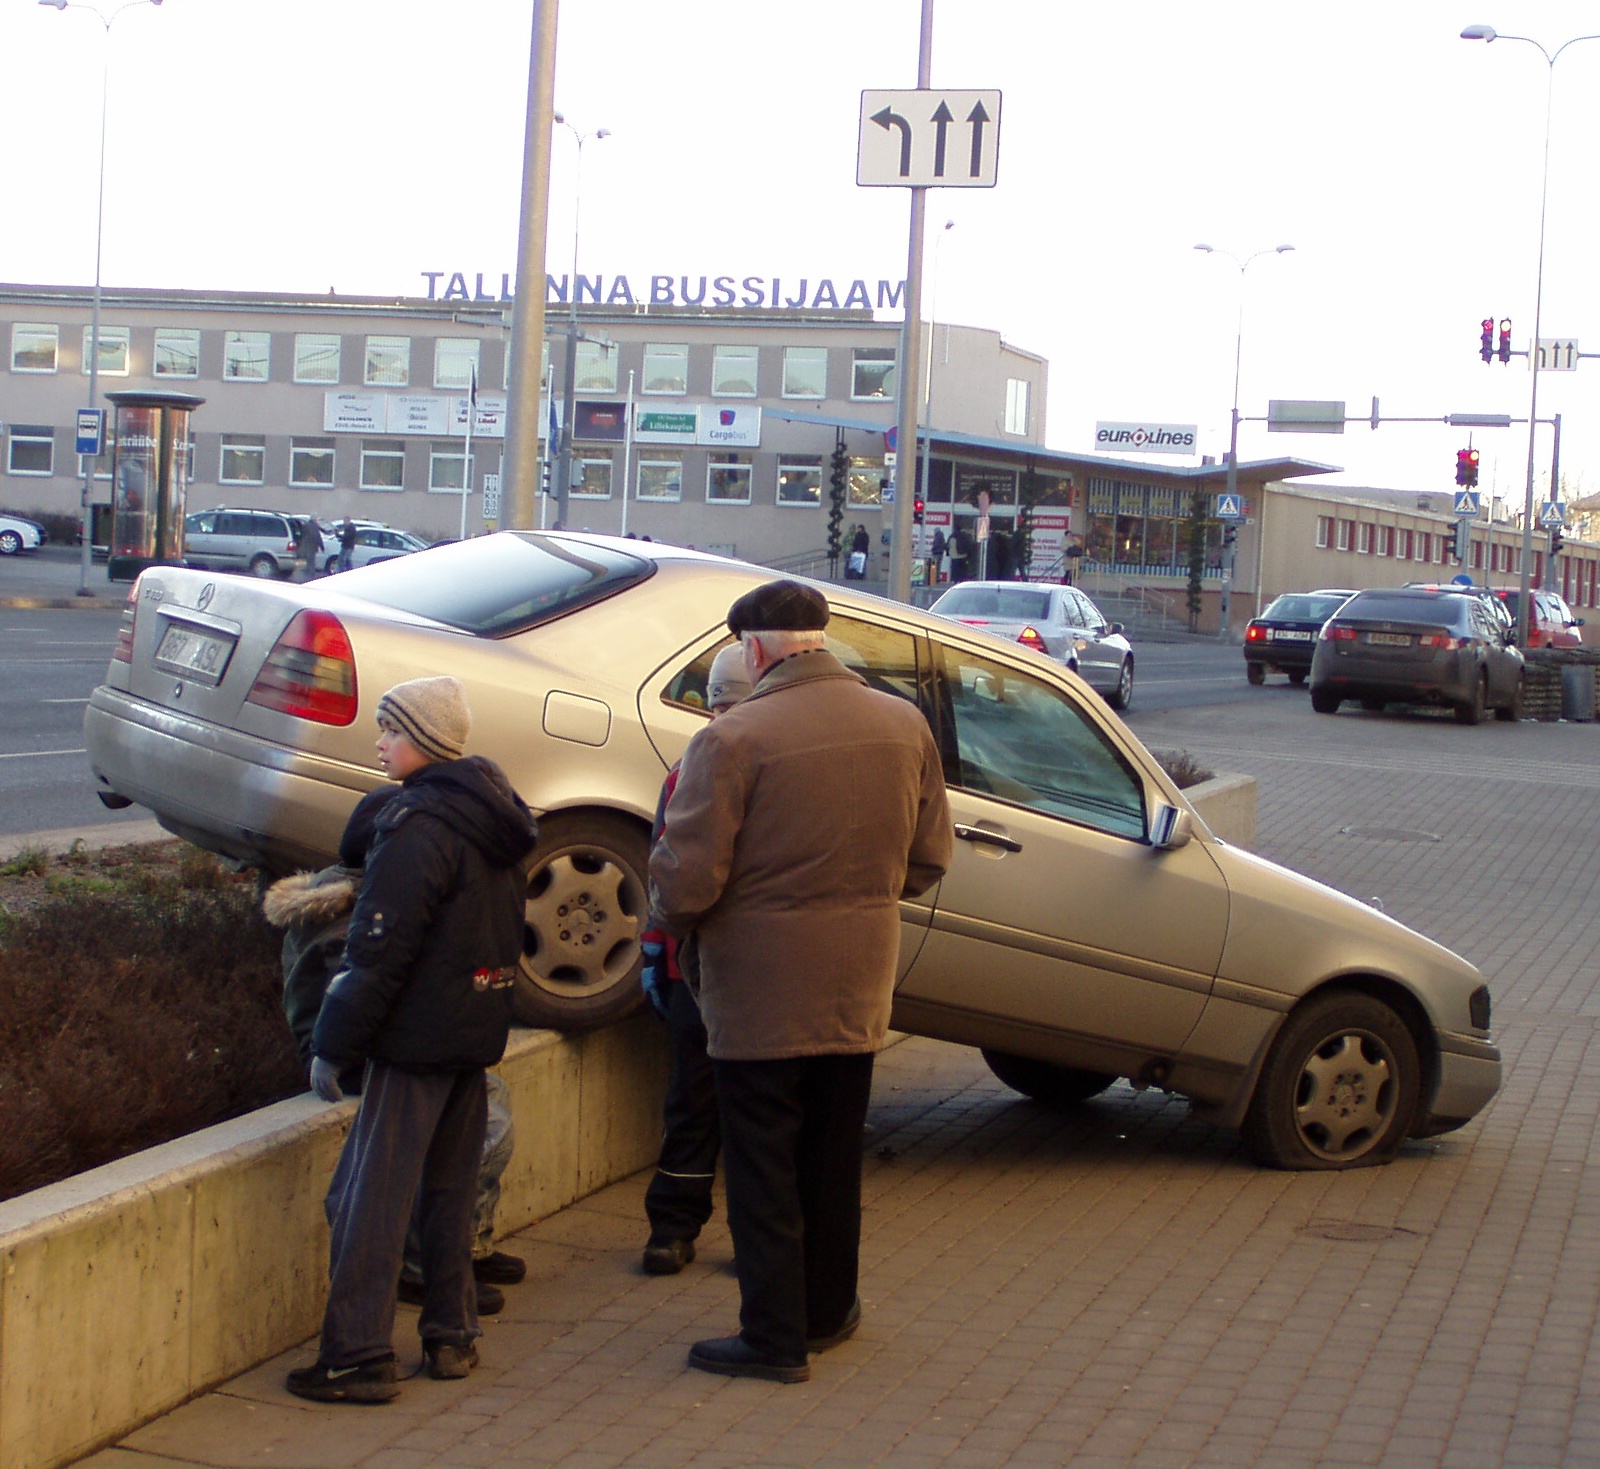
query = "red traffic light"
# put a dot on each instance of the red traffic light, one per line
(1486, 346)
(1467, 467)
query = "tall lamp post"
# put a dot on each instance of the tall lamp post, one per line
(563, 468)
(1233, 430)
(927, 382)
(1488, 33)
(86, 528)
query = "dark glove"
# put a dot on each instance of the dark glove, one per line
(325, 1080)
(653, 978)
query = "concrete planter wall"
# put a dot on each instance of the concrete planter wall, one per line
(1227, 804)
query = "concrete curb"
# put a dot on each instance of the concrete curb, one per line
(1227, 804)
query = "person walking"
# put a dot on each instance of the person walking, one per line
(800, 820)
(678, 1200)
(424, 1000)
(347, 544)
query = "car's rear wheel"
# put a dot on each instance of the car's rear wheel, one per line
(1470, 711)
(1324, 702)
(1055, 1086)
(1340, 1087)
(10, 543)
(1511, 712)
(587, 905)
(263, 566)
(1121, 696)
(1297, 676)
(1255, 673)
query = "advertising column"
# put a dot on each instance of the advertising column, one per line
(149, 480)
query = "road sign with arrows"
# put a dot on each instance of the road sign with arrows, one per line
(929, 139)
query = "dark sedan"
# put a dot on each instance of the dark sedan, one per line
(1414, 645)
(1283, 638)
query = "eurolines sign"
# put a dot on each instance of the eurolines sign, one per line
(1145, 438)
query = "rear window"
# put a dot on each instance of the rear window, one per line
(1444, 608)
(1298, 607)
(500, 584)
(1009, 604)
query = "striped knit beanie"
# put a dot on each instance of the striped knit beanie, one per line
(430, 712)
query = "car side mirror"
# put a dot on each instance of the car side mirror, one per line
(1115, 629)
(1171, 827)
(1576, 622)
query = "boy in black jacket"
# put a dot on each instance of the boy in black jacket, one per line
(424, 1000)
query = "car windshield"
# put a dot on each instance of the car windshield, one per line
(1438, 607)
(500, 584)
(1304, 607)
(1008, 604)
(1509, 601)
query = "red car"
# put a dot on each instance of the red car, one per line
(1550, 621)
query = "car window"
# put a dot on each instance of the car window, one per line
(1018, 739)
(202, 524)
(1089, 614)
(1009, 604)
(268, 527)
(1303, 607)
(233, 523)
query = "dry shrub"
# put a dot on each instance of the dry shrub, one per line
(1182, 767)
(132, 1012)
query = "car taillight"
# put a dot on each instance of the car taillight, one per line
(1332, 633)
(1029, 638)
(1254, 633)
(310, 672)
(1441, 640)
(123, 652)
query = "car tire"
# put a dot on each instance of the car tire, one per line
(1340, 1088)
(1512, 712)
(263, 566)
(1254, 673)
(1297, 676)
(332, 564)
(1043, 1081)
(1121, 696)
(10, 543)
(1324, 702)
(587, 906)
(1470, 711)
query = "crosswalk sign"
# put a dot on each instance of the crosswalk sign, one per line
(1230, 507)
(1552, 513)
(1468, 503)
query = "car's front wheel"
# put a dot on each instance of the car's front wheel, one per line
(587, 905)
(263, 566)
(10, 543)
(1055, 1086)
(1340, 1087)
(1121, 696)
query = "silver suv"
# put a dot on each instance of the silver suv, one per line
(261, 542)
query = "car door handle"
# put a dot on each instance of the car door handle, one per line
(984, 835)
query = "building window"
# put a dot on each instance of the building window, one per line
(1347, 535)
(733, 372)
(1364, 539)
(177, 352)
(872, 372)
(388, 362)
(597, 368)
(33, 449)
(244, 460)
(1476, 556)
(666, 367)
(660, 475)
(805, 372)
(800, 480)
(455, 362)
(1324, 531)
(448, 470)
(311, 463)
(246, 356)
(102, 461)
(34, 347)
(1385, 540)
(1424, 545)
(864, 487)
(115, 342)
(316, 358)
(383, 464)
(728, 479)
(1402, 545)
(596, 481)
(1019, 396)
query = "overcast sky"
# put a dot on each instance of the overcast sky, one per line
(287, 145)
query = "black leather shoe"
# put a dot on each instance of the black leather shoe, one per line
(491, 1299)
(667, 1256)
(847, 1329)
(732, 1356)
(499, 1268)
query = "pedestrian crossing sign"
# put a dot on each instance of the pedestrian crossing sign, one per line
(1552, 513)
(1468, 503)
(1230, 507)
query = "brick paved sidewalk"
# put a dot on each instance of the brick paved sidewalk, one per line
(1117, 1285)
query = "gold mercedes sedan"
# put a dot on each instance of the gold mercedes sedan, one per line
(1090, 927)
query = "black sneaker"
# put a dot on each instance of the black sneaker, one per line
(499, 1268)
(667, 1256)
(368, 1382)
(447, 1360)
(491, 1299)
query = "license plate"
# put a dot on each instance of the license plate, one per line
(198, 655)
(1389, 639)
(1281, 636)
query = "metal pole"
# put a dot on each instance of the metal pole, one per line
(85, 551)
(1525, 583)
(910, 357)
(627, 451)
(569, 386)
(466, 465)
(520, 463)
(1555, 497)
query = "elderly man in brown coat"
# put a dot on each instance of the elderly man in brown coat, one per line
(800, 819)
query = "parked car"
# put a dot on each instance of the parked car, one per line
(1550, 621)
(1283, 638)
(1058, 621)
(380, 543)
(18, 533)
(262, 542)
(1416, 645)
(1090, 927)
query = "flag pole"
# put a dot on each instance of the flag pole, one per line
(466, 463)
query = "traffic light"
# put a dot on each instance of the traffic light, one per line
(544, 478)
(1463, 546)
(1467, 468)
(1505, 339)
(1230, 536)
(918, 506)
(1449, 540)
(1487, 348)
(1555, 540)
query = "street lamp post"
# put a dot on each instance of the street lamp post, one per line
(86, 528)
(1488, 33)
(927, 382)
(1233, 430)
(563, 468)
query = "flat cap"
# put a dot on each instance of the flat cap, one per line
(779, 606)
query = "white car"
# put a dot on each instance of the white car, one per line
(19, 534)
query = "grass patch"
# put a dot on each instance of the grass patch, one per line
(1182, 767)
(142, 1000)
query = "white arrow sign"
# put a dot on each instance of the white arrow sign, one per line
(929, 139)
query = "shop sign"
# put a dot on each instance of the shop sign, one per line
(652, 426)
(354, 413)
(728, 428)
